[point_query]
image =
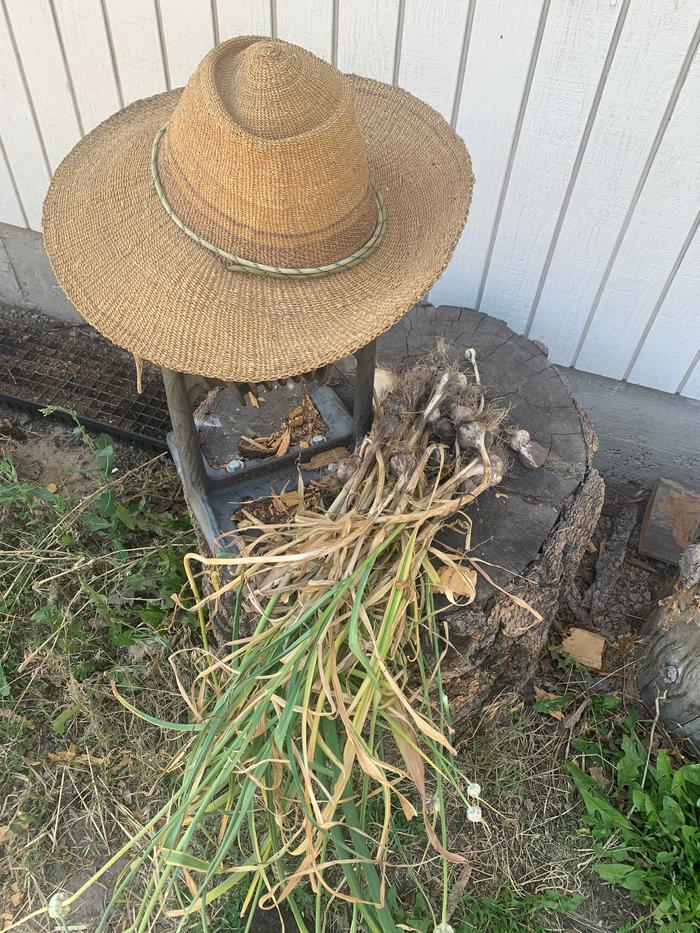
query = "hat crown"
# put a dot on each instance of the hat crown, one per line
(263, 156)
(275, 91)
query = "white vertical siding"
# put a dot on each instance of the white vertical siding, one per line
(654, 238)
(187, 28)
(309, 24)
(367, 37)
(570, 69)
(581, 117)
(90, 63)
(500, 60)
(631, 115)
(23, 146)
(431, 46)
(236, 18)
(140, 58)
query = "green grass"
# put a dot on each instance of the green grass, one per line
(505, 912)
(87, 577)
(85, 596)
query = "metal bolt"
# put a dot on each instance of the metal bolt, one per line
(317, 439)
(670, 673)
(233, 466)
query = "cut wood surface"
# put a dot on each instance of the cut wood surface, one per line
(671, 518)
(585, 647)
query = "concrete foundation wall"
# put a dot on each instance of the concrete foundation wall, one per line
(26, 279)
(642, 433)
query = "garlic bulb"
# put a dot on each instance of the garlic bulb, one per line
(498, 468)
(532, 455)
(346, 469)
(458, 413)
(444, 430)
(518, 437)
(471, 435)
(384, 381)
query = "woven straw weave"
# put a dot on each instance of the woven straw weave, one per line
(270, 154)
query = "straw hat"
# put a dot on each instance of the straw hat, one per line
(272, 217)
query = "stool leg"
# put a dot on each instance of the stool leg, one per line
(364, 387)
(194, 477)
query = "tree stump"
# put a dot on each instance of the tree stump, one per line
(668, 677)
(532, 529)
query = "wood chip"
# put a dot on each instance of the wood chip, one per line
(263, 444)
(284, 443)
(574, 717)
(585, 647)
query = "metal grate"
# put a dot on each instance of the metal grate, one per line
(44, 362)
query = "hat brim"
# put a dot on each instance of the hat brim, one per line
(148, 287)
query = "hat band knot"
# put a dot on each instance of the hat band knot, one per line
(240, 263)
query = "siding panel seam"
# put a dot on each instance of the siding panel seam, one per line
(662, 296)
(463, 63)
(592, 114)
(665, 120)
(537, 45)
(66, 67)
(25, 85)
(112, 53)
(13, 182)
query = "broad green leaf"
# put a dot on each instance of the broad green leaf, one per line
(663, 771)
(61, 721)
(595, 801)
(613, 872)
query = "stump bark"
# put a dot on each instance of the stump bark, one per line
(532, 530)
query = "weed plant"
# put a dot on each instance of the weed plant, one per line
(645, 824)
